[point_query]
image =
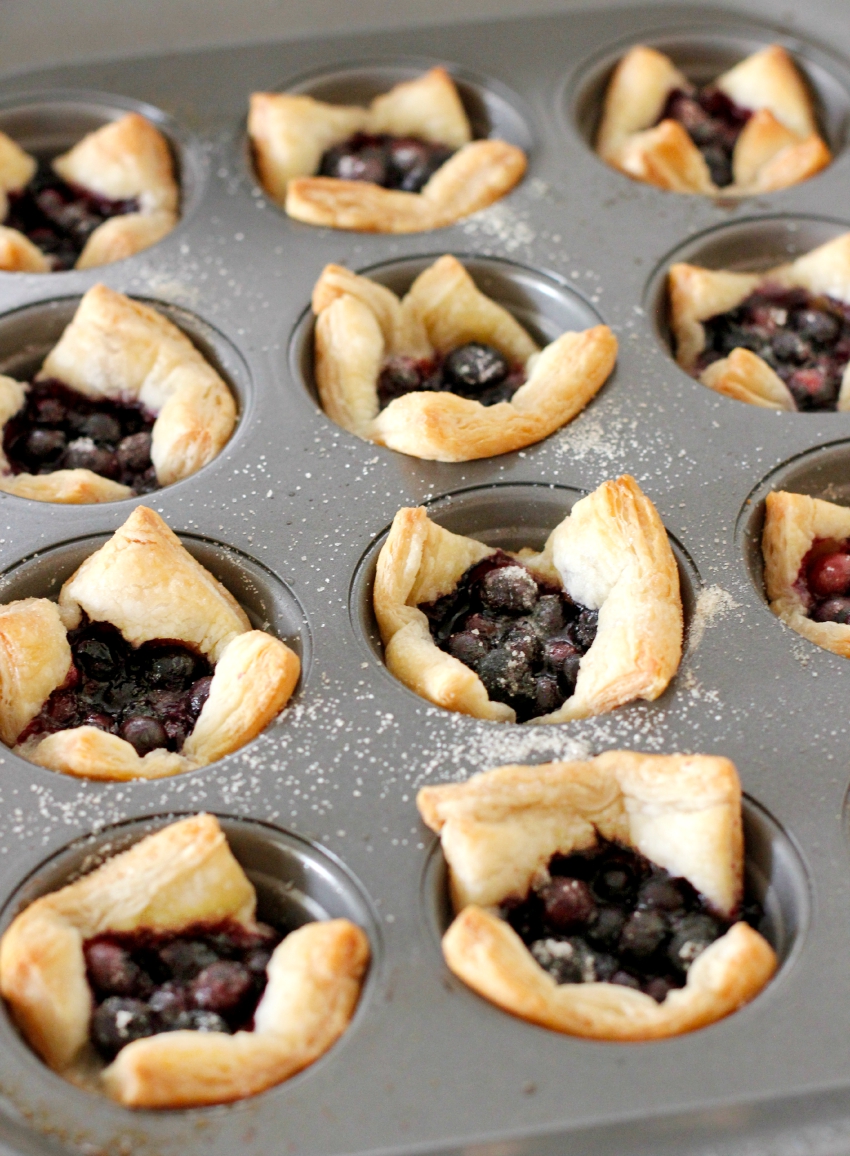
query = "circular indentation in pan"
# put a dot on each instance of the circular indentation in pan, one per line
(296, 881)
(48, 124)
(823, 472)
(268, 602)
(702, 54)
(508, 517)
(27, 335)
(774, 875)
(753, 245)
(544, 304)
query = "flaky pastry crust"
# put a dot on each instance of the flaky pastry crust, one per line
(610, 553)
(128, 159)
(120, 349)
(697, 294)
(289, 134)
(360, 323)
(182, 875)
(778, 146)
(792, 523)
(145, 583)
(499, 832)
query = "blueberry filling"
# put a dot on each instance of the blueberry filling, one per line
(59, 218)
(209, 978)
(804, 338)
(393, 162)
(151, 696)
(60, 429)
(610, 915)
(475, 370)
(713, 122)
(523, 637)
(824, 581)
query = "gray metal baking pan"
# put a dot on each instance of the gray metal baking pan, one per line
(321, 807)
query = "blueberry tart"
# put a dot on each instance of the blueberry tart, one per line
(753, 130)
(122, 405)
(151, 979)
(112, 195)
(806, 548)
(588, 624)
(445, 373)
(780, 339)
(604, 898)
(146, 667)
(405, 164)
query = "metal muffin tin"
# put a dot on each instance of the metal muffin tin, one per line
(290, 515)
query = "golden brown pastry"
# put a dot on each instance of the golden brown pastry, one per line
(181, 876)
(126, 160)
(807, 567)
(290, 133)
(697, 294)
(145, 584)
(361, 324)
(118, 349)
(778, 146)
(610, 555)
(499, 833)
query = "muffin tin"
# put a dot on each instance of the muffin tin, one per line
(290, 516)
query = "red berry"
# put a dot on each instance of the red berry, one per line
(829, 574)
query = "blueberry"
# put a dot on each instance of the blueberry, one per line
(168, 1001)
(584, 628)
(98, 719)
(49, 411)
(523, 641)
(484, 627)
(172, 669)
(467, 647)
(567, 903)
(200, 1020)
(659, 987)
(401, 375)
(475, 366)
(117, 1022)
(184, 959)
(833, 610)
(789, 346)
(505, 675)
(566, 960)
(221, 987)
(548, 614)
(101, 427)
(359, 159)
(83, 454)
(44, 445)
(199, 692)
(606, 928)
(134, 452)
(719, 164)
(659, 894)
(61, 708)
(111, 970)
(547, 694)
(96, 658)
(816, 325)
(692, 934)
(509, 589)
(615, 881)
(643, 933)
(625, 979)
(144, 734)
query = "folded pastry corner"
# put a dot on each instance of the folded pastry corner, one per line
(405, 164)
(121, 177)
(90, 688)
(779, 339)
(590, 623)
(752, 131)
(601, 898)
(445, 373)
(68, 974)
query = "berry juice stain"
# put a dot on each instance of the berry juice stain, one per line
(522, 637)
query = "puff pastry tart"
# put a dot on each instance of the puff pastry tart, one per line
(780, 340)
(590, 623)
(752, 131)
(147, 666)
(156, 964)
(605, 898)
(112, 195)
(806, 547)
(405, 164)
(445, 373)
(122, 405)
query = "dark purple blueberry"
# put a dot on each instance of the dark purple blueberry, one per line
(61, 708)
(566, 960)
(833, 610)
(607, 926)
(789, 346)
(584, 628)
(692, 934)
(186, 958)
(44, 445)
(659, 987)
(829, 575)
(567, 903)
(96, 658)
(83, 454)
(117, 1022)
(485, 627)
(199, 692)
(816, 325)
(401, 375)
(523, 641)
(659, 894)
(413, 162)
(111, 970)
(547, 694)
(258, 960)
(200, 1020)
(168, 1001)
(172, 668)
(719, 164)
(510, 589)
(625, 979)
(134, 452)
(643, 933)
(473, 367)
(505, 675)
(548, 614)
(467, 647)
(49, 411)
(101, 427)
(615, 881)
(98, 719)
(220, 987)
(144, 734)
